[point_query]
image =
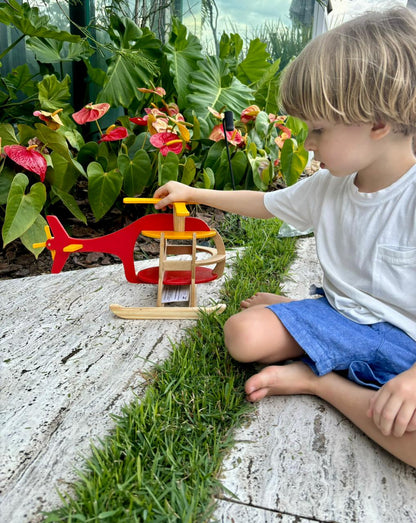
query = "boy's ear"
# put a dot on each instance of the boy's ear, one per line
(380, 130)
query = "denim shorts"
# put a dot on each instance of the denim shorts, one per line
(370, 355)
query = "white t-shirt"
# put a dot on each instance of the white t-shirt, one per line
(366, 243)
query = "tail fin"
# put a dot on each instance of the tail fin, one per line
(59, 240)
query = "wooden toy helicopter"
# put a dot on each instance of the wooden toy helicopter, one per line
(170, 272)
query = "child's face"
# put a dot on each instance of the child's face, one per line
(340, 148)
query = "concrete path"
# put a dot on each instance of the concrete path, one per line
(67, 363)
(299, 460)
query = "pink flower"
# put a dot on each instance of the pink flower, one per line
(250, 114)
(157, 122)
(276, 118)
(114, 133)
(215, 113)
(172, 109)
(286, 133)
(52, 119)
(28, 158)
(157, 90)
(166, 142)
(91, 113)
(234, 137)
(139, 121)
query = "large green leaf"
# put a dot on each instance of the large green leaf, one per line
(21, 79)
(28, 20)
(54, 94)
(189, 171)
(168, 167)
(223, 176)
(124, 76)
(255, 64)
(103, 188)
(6, 178)
(268, 89)
(212, 86)
(231, 47)
(64, 173)
(53, 140)
(50, 51)
(293, 161)
(7, 135)
(137, 172)
(22, 209)
(132, 64)
(35, 232)
(183, 52)
(70, 203)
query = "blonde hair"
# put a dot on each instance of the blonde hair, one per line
(363, 71)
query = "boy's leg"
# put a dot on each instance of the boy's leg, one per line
(346, 396)
(257, 335)
(263, 298)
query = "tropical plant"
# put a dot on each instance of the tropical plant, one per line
(174, 132)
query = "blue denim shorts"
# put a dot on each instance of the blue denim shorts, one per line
(370, 355)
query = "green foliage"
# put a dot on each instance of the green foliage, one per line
(198, 88)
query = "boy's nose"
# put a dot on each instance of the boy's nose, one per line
(308, 144)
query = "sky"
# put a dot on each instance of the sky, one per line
(239, 15)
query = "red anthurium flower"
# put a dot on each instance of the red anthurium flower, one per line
(250, 113)
(233, 137)
(91, 113)
(285, 130)
(139, 121)
(114, 133)
(28, 158)
(52, 119)
(286, 133)
(166, 142)
(157, 90)
(172, 109)
(215, 113)
(278, 118)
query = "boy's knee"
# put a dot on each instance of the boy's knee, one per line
(239, 339)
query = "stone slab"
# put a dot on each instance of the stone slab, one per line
(67, 363)
(299, 456)
(236, 513)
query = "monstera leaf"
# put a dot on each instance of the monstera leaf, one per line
(132, 64)
(54, 94)
(49, 51)
(268, 89)
(183, 53)
(255, 64)
(28, 20)
(213, 86)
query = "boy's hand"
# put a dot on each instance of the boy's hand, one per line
(393, 407)
(173, 192)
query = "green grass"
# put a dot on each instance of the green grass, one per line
(162, 460)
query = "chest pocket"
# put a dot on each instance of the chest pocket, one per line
(395, 276)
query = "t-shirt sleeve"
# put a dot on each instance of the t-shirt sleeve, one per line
(298, 204)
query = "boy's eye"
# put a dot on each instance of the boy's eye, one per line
(317, 131)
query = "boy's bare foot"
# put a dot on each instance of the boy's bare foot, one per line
(263, 298)
(279, 380)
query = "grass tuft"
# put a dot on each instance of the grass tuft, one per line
(161, 462)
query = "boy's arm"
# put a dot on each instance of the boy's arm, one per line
(245, 203)
(393, 407)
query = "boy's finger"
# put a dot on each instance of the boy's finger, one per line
(402, 420)
(387, 417)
